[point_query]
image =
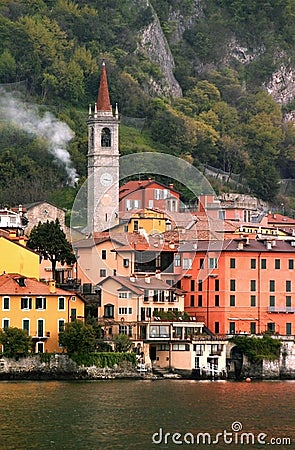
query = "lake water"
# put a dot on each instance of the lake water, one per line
(125, 414)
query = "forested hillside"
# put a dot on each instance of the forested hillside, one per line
(211, 81)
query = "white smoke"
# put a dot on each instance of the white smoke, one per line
(28, 118)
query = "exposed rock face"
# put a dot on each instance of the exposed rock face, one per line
(282, 85)
(155, 46)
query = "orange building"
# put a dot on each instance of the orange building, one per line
(41, 309)
(241, 285)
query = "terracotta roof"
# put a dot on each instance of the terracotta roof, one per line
(135, 185)
(138, 284)
(276, 219)
(10, 285)
(251, 245)
(103, 100)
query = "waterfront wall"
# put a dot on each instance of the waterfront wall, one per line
(61, 367)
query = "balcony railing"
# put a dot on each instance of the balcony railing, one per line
(281, 309)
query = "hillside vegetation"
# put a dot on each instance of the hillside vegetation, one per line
(50, 58)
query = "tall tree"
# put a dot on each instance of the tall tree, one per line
(50, 241)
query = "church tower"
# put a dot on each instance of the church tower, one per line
(103, 161)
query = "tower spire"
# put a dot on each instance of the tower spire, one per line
(103, 99)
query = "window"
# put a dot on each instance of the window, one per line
(199, 349)
(272, 285)
(271, 327)
(26, 325)
(180, 347)
(272, 301)
(40, 327)
(201, 263)
(159, 331)
(232, 328)
(217, 285)
(126, 262)
(291, 264)
(288, 328)
(200, 285)
(253, 327)
(61, 325)
(288, 286)
(163, 347)
(6, 303)
(102, 273)
(232, 300)
(40, 303)
(213, 263)
(192, 285)
(132, 204)
(216, 300)
(124, 294)
(146, 295)
(5, 323)
(253, 263)
(288, 301)
(135, 225)
(26, 303)
(187, 263)
(103, 254)
(200, 301)
(61, 303)
(232, 285)
(109, 311)
(277, 263)
(125, 329)
(106, 137)
(192, 301)
(73, 314)
(177, 260)
(253, 300)
(263, 264)
(216, 327)
(253, 285)
(232, 263)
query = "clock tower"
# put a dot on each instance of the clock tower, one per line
(103, 161)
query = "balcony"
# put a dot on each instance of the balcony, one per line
(281, 309)
(40, 338)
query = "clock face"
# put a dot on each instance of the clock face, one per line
(106, 179)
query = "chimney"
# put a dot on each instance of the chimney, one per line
(51, 286)
(240, 245)
(171, 186)
(158, 274)
(147, 279)
(268, 245)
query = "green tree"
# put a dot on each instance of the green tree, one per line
(78, 338)
(50, 241)
(122, 343)
(16, 342)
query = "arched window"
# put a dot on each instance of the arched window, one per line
(105, 137)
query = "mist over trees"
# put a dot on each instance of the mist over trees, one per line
(51, 54)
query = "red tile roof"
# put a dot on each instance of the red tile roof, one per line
(9, 285)
(135, 185)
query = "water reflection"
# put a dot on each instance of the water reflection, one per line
(125, 414)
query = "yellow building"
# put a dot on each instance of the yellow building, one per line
(149, 221)
(41, 309)
(15, 258)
